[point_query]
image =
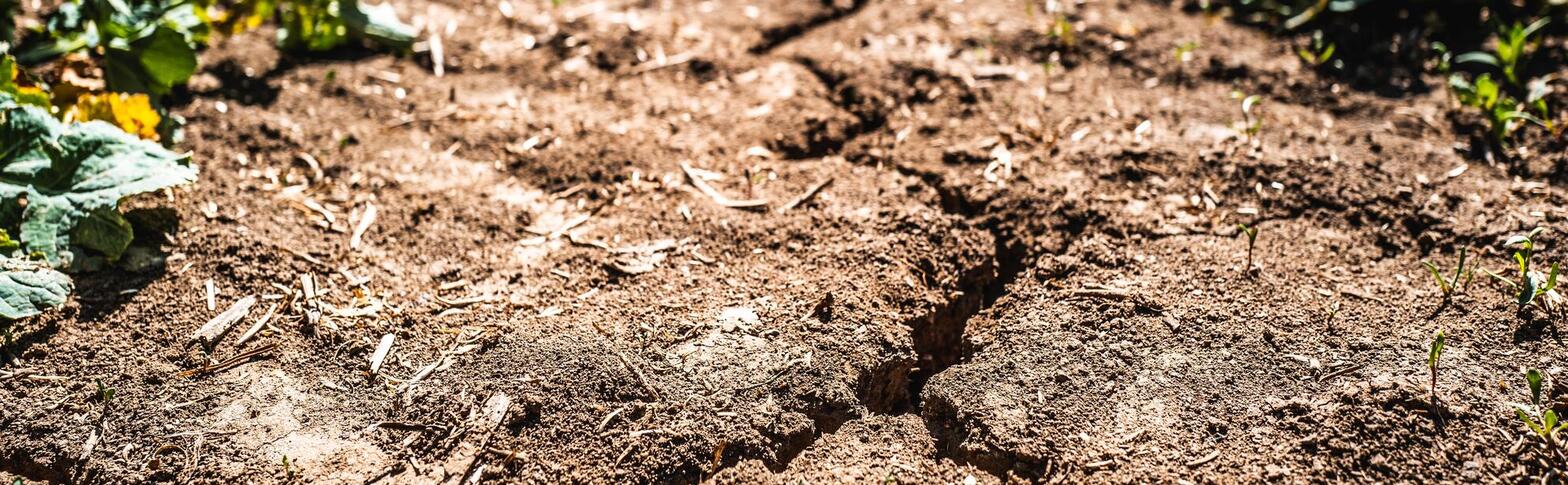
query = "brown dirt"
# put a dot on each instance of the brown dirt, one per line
(1087, 319)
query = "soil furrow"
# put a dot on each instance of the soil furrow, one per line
(774, 37)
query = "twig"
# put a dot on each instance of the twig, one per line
(674, 60)
(214, 329)
(1205, 459)
(260, 323)
(1110, 293)
(638, 373)
(1341, 371)
(380, 354)
(805, 197)
(718, 198)
(235, 361)
(365, 220)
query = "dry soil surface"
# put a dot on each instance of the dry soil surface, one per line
(788, 241)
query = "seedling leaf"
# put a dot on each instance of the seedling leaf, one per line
(1528, 421)
(1481, 57)
(1533, 378)
(1437, 274)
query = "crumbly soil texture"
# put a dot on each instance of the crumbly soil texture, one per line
(920, 241)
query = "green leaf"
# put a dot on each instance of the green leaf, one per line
(1498, 277)
(69, 173)
(105, 231)
(1437, 274)
(1551, 280)
(94, 167)
(28, 288)
(1481, 57)
(1528, 421)
(1533, 378)
(379, 23)
(1437, 350)
(1549, 420)
(311, 25)
(8, 246)
(24, 131)
(166, 57)
(123, 71)
(1535, 26)
(1527, 291)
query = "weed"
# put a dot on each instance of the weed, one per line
(1531, 284)
(1318, 52)
(1449, 286)
(1444, 58)
(1252, 240)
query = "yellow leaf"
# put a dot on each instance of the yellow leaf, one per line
(131, 112)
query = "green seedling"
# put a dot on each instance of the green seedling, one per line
(1318, 52)
(1514, 45)
(1252, 240)
(1542, 421)
(1432, 359)
(105, 393)
(1501, 110)
(1535, 99)
(1254, 124)
(1444, 58)
(1531, 284)
(1449, 286)
(1062, 30)
(1184, 51)
(289, 472)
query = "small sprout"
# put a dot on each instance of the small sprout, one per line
(1501, 110)
(1445, 58)
(1531, 284)
(1184, 51)
(104, 393)
(1253, 124)
(1318, 52)
(1449, 286)
(289, 472)
(1536, 100)
(1533, 378)
(1062, 30)
(1514, 45)
(1432, 359)
(1252, 240)
(1542, 421)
